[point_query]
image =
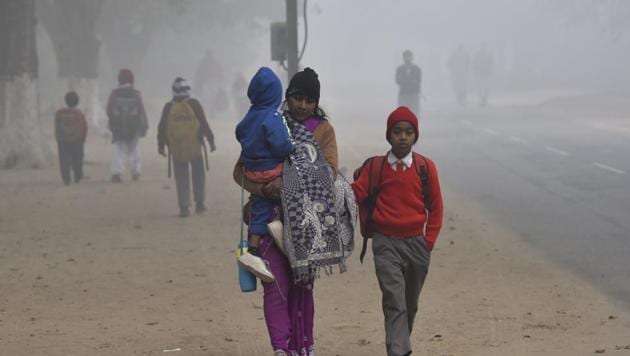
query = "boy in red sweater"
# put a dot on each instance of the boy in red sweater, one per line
(406, 219)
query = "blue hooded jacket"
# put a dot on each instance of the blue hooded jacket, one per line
(263, 134)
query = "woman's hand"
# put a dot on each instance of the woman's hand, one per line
(272, 189)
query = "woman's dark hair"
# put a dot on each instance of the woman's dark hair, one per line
(72, 99)
(319, 112)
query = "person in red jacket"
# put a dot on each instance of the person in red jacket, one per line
(70, 133)
(405, 228)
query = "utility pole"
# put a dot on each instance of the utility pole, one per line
(292, 38)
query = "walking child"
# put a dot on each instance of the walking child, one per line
(265, 143)
(401, 206)
(70, 133)
(127, 123)
(183, 128)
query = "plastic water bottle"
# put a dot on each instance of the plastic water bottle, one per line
(246, 279)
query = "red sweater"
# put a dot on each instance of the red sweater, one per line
(72, 119)
(399, 208)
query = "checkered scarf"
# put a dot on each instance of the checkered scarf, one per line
(311, 226)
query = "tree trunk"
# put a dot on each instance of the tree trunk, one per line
(21, 140)
(92, 108)
(71, 25)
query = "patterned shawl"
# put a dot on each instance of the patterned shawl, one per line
(311, 226)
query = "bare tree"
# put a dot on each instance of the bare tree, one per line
(21, 139)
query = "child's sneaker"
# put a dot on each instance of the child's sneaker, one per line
(257, 266)
(275, 229)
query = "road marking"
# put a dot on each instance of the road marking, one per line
(467, 123)
(557, 151)
(491, 132)
(517, 139)
(609, 168)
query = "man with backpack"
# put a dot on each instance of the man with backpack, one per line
(182, 128)
(400, 208)
(127, 123)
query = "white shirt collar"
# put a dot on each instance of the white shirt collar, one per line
(407, 160)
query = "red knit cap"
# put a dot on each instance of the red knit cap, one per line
(402, 113)
(125, 76)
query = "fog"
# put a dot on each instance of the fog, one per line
(532, 256)
(539, 48)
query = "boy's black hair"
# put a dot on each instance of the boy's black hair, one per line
(72, 99)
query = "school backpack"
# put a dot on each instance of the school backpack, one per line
(182, 132)
(375, 166)
(69, 125)
(127, 114)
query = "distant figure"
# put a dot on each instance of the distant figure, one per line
(408, 78)
(127, 122)
(239, 95)
(70, 133)
(483, 64)
(458, 64)
(183, 127)
(209, 82)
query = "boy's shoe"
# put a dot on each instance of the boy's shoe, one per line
(200, 209)
(257, 266)
(275, 229)
(135, 176)
(116, 178)
(183, 212)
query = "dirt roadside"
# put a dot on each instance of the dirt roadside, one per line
(104, 269)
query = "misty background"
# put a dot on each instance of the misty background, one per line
(541, 49)
(535, 183)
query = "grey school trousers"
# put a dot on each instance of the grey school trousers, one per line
(401, 268)
(182, 181)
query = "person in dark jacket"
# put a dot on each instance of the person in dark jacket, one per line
(183, 128)
(408, 78)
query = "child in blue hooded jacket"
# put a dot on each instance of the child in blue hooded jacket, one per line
(265, 143)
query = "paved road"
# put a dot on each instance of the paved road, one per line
(562, 184)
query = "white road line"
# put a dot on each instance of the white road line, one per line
(491, 132)
(608, 168)
(557, 151)
(517, 139)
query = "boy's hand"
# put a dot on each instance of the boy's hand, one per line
(161, 151)
(272, 189)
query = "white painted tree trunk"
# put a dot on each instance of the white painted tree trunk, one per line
(22, 142)
(88, 90)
